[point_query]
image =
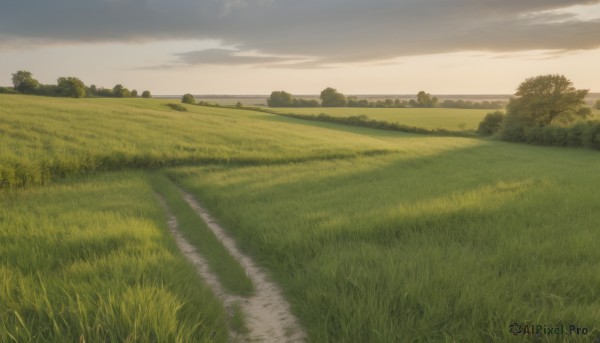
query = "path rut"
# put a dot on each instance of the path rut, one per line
(267, 313)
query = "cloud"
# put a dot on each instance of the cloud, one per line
(325, 31)
(226, 57)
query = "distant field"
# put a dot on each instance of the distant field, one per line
(233, 100)
(373, 235)
(429, 118)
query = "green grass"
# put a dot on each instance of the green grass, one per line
(428, 118)
(91, 260)
(374, 235)
(238, 320)
(43, 139)
(445, 244)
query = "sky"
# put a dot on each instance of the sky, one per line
(258, 46)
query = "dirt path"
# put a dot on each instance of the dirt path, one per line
(267, 313)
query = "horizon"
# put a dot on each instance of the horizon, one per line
(258, 46)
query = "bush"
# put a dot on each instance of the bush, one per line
(177, 107)
(8, 90)
(591, 136)
(188, 99)
(514, 129)
(575, 134)
(491, 123)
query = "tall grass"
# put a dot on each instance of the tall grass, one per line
(44, 139)
(439, 245)
(91, 260)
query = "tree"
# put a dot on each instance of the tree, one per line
(188, 99)
(545, 98)
(541, 101)
(330, 97)
(104, 92)
(71, 87)
(280, 99)
(93, 90)
(425, 100)
(119, 91)
(133, 93)
(24, 82)
(146, 94)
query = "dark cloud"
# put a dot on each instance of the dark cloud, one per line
(328, 31)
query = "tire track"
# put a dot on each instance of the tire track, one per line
(267, 313)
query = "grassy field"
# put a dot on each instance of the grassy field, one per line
(374, 235)
(90, 260)
(450, 244)
(45, 138)
(429, 118)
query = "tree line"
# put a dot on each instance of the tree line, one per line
(330, 97)
(546, 110)
(70, 87)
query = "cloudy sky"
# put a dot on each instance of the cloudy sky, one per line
(256, 46)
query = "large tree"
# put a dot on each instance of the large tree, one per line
(540, 101)
(24, 82)
(330, 97)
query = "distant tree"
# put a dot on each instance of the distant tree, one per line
(119, 91)
(425, 100)
(597, 106)
(93, 90)
(488, 105)
(352, 101)
(104, 92)
(363, 103)
(146, 94)
(71, 87)
(540, 101)
(330, 97)
(279, 99)
(239, 105)
(296, 102)
(24, 82)
(133, 94)
(188, 99)
(48, 90)
(491, 123)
